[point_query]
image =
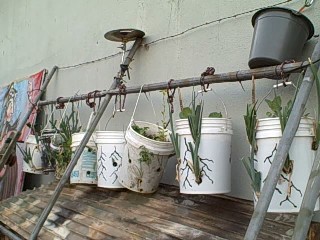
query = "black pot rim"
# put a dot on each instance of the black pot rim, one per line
(291, 11)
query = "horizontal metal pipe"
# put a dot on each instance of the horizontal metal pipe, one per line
(241, 75)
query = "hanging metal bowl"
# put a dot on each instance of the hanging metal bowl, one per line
(124, 35)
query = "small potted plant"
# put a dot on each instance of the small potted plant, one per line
(203, 149)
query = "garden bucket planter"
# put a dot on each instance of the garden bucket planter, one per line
(290, 188)
(144, 176)
(36, 165)
(214, 153)
(85, 170)
(110, 146)
(279, 35)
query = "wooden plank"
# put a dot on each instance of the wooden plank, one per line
(135, 208)
(314, 231)
(212, 209)
(26, 219)
(95, 213)
(94, 225)
(209, 214)
(109, 218)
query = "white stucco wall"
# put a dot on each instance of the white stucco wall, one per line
(41, 33)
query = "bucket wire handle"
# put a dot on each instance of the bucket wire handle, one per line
(307, 3)
(151, 103)
(221, 100)
(49, 118)
(135, 108)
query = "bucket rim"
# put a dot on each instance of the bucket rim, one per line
(277, 118)
(97, 133)
(204, 118)
(288, 10)
(149, 139)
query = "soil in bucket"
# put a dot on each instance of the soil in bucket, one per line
(144, 159)
(110, 146)
(85, 170)
(291, 185)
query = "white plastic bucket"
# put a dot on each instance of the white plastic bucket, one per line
(144, 176)
(36, 165)
(86, 169)
(110, 146)
(286, 198)
(214, 153)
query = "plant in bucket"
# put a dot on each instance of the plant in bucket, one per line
(56, 140)
(264, 136)
(203, 149)
(145, 156)
(60, 145)
(34, 160)
(85, 170)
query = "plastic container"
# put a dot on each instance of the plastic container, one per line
(36, 165)
(144, 159)
(214, 153)
(279, 35)
(110, 146)
(85, 170)
(290, 189)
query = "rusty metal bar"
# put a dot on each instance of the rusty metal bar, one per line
(241, 75)
(282, 151)
(82, 145)
(25, 118)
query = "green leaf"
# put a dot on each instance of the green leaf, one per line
(185, 113)
(254, 175)
(215, 115)
(275, 105)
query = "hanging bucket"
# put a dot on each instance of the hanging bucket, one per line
(33, 163)
(144, 159)
(110, 145)
(86, 169)
(279, 35)
(290, 188)
(214, 153)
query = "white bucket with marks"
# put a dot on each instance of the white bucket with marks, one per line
(144, 159)
(214, 154)
(85, 170)
(291, 187)
(110, 146)
(33, 163)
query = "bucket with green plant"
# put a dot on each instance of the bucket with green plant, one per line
(148, 148)
(204, 150)
(264, 135)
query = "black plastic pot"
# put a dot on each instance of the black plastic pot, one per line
(279, 35)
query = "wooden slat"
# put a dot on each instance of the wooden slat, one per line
(87, 212)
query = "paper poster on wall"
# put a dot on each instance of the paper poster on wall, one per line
(15, 100)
